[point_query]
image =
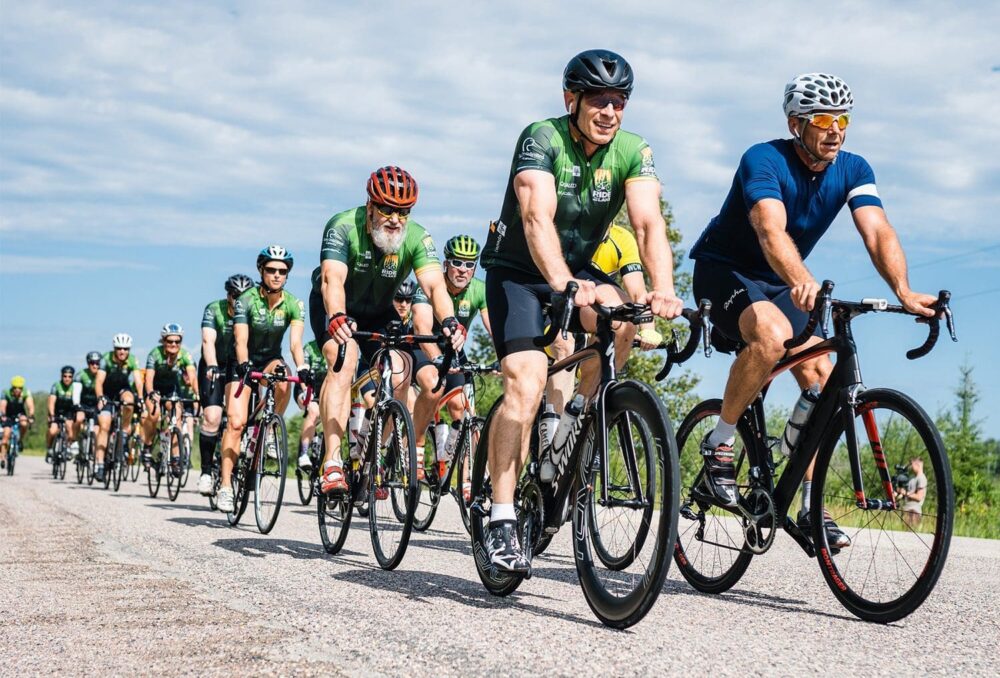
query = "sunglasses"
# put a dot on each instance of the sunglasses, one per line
(461, 263)
(273, 270)
(95, 362)
(387, 211)
(602, 99)
(123, 349)
(171, 341)
(67, 374)
(826, 120)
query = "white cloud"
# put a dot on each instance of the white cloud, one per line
(16, 264)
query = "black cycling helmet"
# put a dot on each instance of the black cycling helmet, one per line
(405, 291)
(67, 368)
(93, 357)
(237, 284)
(598, 69)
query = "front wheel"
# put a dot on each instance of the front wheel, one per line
(896, 554)
(171, 464)
(269, 480)
(430, 492)
(392, 481)
(118, 468)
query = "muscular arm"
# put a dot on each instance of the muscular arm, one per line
(148, 383)
(295, 331)
(99, 383)
(192, 377)
(241, 335)
(642, 200)
(536, 194)
(432, 283)
(208, 336)
(52, 406)
(769, 219)
(423, 323)
(887, 255)
(485, 315)
(140, 386)
(29, 406)
(334, 277)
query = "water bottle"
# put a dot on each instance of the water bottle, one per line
(441, 440)
(800, 415)
(556, 455)
(452, 441)
(567, 422)
(354, 429)
(547, 426)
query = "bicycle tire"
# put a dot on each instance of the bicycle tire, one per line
(11, 458)
(466, 444)
(623, 611)
(334, 514)
(168, 464)
(496, 582)
(709, 565)
(886, 412)
(56, 456)
(241, 482)
(185, 458)
(118, 468)
(135, 457)
(269, 478)
(430, 494)
(394, 469)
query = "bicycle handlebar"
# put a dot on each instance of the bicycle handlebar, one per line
(701, 328)
(562, 312)
(819, 312)
(278, 376)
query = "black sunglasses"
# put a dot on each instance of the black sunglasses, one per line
(274, 270)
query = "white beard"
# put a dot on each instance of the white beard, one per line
(385, 241)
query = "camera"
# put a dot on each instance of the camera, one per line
(902, 478)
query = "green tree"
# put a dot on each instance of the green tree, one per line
(970, 456)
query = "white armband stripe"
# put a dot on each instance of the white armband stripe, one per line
(864, 189)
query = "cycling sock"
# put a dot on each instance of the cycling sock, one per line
(723, 433)
(806, 491)
(303, 447)
(206, 444)
(500, 512)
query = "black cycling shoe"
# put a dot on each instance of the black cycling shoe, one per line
(719, 479)
(146, 458)
(504, 548)
(99, 472)
(175, 468)
(835, 537)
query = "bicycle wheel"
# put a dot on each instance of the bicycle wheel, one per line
(430, 491)
(81, 459)
(497, 582)
(153, 474)
(118, 468)
(57, 445)
(467, 442)
(11, 457)
(269, 481)
(897, 555)
(710, 545)
(621, 597)
(394, 470)
(168, 465)
(334, 514)
(134, 456)
(185, 458)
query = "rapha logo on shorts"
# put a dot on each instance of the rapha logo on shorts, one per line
(602, 185)
(732, 298)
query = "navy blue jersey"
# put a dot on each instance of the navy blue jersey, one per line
(812, 201)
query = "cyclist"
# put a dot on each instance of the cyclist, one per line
(749, 261)
(119, 378)
(367, 252)
(16, 406)
(260, 317)
(60, 404)
(317, 367)
(568, 179)
(402, 301)
(213, 366)
(468, 295)
(84, 392)
(166, 366)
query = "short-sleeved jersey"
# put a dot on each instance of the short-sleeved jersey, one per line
(167, 375)
(589, 192)
(117, 377)
(468, 302)
(266, 325)
(373, 276)
(218, 318)
(812, 201)
(62, 392)
(314, 358)
(618, 253)
(87, 381)
(15, 404)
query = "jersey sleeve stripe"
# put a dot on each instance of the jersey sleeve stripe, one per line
(864, 189)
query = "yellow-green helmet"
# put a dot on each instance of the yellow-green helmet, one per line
(461, 247)
(17, 382)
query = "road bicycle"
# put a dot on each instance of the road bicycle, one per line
(172, 447)
(263, 460)
(14, 447)
(306, 479)
(895, 556)
(454, 479)
(88, 447)
(60, 448)
(616, 479)
(385, 475)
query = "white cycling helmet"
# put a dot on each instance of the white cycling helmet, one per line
(122, 340)
(811, 92)
(171, 329)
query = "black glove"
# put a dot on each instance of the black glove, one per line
(212, 372)
(451, 322)
(306, 376)
(243, 369)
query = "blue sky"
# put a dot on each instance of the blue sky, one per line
(148, 150)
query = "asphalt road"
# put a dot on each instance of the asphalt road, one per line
(121, 583)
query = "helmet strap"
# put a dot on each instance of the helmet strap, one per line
(797, 140)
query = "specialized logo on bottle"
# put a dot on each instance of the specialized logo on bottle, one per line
(602, 185)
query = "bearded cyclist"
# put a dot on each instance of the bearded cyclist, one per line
(261, 317)
(118, 378)
(749, 261)
(16, 406)
(468, 295)
(367, 252)
(214, 364)
(568, 179)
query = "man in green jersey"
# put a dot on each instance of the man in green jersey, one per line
(568, 179)
(167, 366)
(84, 392)
(469, 298)
(214, 364)
(60, 404)
(317, 367)
(16, 405)
(118, 379)
(261, 315)
(366, 253)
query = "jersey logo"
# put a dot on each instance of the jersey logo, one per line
(530, 150)
(464, 308)
(279, 318)
(500, 229)
(602, 185)
(647, 169)
(390, 265)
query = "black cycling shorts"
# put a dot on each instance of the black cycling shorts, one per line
(451, 381)
(515, 300)
(319, 322)
(211, 393)
(111, 395)
(732, 292)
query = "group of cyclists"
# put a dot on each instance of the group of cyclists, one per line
(569, 177)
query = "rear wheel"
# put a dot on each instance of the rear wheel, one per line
(334, 514)
(896, 554)
(430, 492)
(241, 479)
(185, 458)
(118, 467)
(171, 465)
(464, 449)
(393, 472)
(134, 456)
(269, 480)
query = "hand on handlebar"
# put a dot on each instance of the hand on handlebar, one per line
(667, 305)
(341, 328)
(586, 291)
(919, 304)
(804, 295)
(455, 332)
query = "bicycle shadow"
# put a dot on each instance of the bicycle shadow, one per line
(179, 507)
(220, 523)
(261, 548)
(461, 546)
(754, 599)
(424, 587)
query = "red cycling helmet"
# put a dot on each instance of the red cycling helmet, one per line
(392, 186)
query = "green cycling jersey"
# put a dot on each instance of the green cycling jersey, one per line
(589, 192)
(87, 381)
(62, 392)
(373, 276)
(167, 374)
(266, 325)
(468, 302)
(315, 359)
(118, 376)
(218, 318)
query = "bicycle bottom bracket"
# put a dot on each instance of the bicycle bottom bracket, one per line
(759, 519)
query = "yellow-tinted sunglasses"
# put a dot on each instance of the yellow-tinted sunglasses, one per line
(826, 120)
